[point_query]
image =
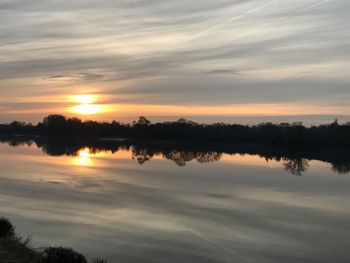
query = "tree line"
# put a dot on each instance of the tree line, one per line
(183, 130)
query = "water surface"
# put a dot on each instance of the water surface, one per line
(135, 204)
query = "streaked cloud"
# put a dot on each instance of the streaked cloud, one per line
(206, 53)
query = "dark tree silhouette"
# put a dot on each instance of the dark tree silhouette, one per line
(333, 135)
(296, 166)
(143, 121)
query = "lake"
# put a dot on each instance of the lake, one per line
(132, 203)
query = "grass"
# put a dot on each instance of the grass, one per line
(14, 249)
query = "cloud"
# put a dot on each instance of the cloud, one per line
(223, 71)
(149, 210)
(81, 76)
(286, 51)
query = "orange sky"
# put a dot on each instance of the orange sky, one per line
(177, 59)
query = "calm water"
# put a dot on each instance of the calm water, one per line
(133, 205)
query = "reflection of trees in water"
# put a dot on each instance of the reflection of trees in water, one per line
(341, 168)
(293, 165)
(20, 143)
(268, 158)
(207, 157)
(58, 149)
(141, 155)
(17, 142)
(179, 157)
(294, 162)
(296, 166)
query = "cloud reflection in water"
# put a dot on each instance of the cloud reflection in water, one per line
(235, 208)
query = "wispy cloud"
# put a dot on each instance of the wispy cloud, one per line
(177, 53)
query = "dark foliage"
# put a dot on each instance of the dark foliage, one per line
(14, 249)
(62, 255)
(291, 135)
(7, 230)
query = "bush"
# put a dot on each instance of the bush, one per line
(62, 255)
(7, 230)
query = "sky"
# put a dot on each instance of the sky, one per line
(208, 60)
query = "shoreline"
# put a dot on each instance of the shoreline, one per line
(15, 249)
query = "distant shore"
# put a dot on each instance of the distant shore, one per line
(292, 135)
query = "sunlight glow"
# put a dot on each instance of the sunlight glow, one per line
(86, 105)
(85, 153)
(87, 109)
(83, 161)
(83, 158)
(86, 157)
(85, 99)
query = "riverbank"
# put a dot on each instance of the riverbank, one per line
(15, 249)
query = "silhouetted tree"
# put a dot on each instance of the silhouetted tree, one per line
(55, 125)
(296, 166)
(143, 121)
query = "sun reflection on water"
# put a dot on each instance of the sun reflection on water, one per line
(88, 157)
(83, 158)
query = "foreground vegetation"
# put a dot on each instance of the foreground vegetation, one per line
(14, 249)
(284, 134)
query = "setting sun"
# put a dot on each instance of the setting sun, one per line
(86, 105)
(85, 99)
(86, 109)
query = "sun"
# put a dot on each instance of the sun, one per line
(87, 109)
(86, 105)
(85, 99)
